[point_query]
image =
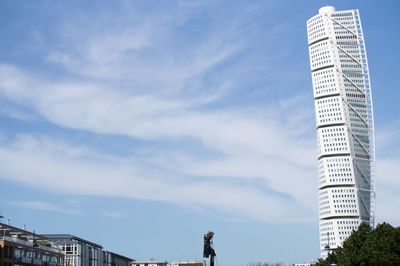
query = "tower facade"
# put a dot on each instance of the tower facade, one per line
(344, 124)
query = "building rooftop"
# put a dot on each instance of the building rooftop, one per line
(149, 261)
(24, 237)
(11, 230)
(69, 237)
(326, 9)
(118, 255)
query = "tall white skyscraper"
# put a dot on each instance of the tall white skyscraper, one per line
(344, 124)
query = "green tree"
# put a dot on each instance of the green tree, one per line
(367, 246)
(382, 246)
(352, 252)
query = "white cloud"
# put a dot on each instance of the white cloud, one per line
(45, 206)
(387, 190)
(252, 143)
(165, 100)
(138, 48)
(387, 140)
(76, 173)
(15, 112)
(387, 173)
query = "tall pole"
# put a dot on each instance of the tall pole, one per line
(212, 254)
(33, 247)
(328, 247)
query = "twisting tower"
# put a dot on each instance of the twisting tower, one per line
(344, 124)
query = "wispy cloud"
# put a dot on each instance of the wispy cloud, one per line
(66, 172)
(249, 160)
(387, 138)
(45, 206)
(251, 143)
(15, 112)
(387, 169)
(139, 53)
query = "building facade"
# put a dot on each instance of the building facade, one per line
(81, 252)
(344, 124)
(151, 262)
(78, 251)
(154, 262)
(189, 263)
(21, 247)
(114, 259)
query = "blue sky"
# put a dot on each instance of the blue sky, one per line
(141, 125)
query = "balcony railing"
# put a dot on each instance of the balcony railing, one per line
(28, 243)
(28, 260)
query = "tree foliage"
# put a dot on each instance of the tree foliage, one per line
(367, 246)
